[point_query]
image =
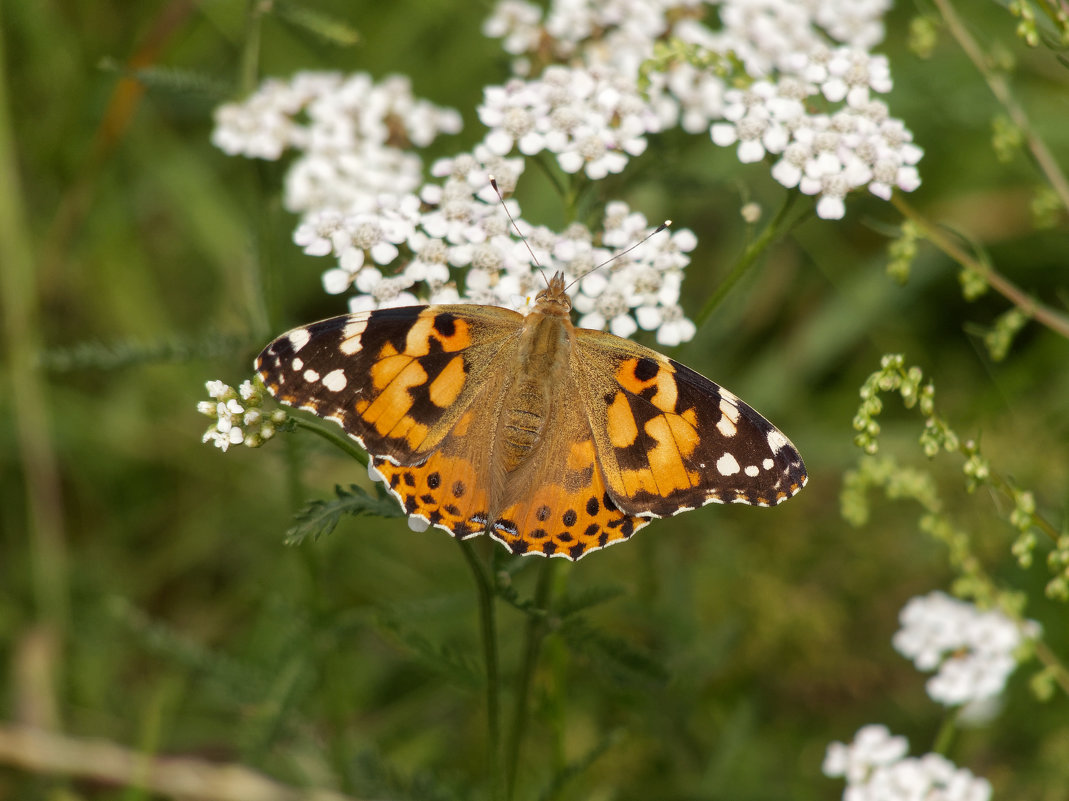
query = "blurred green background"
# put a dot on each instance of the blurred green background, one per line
(146, 596)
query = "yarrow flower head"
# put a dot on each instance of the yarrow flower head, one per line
(808, 106)
(972, 651)
(876, 768)
(239, 418)
(353, 135)
(591, 119)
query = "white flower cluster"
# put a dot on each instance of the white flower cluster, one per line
(974, 651)
(809, 105)
(354, 136)
(592, 119)
(397, 240)
(459, 223)
(238, 417)
(876, 768)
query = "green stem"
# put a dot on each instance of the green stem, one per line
(249, 66)
(344, 443)
(772, 232)
(532, 647)
(1000, 87)
(27, 396)
(1055, 320)
(485, 589)
(946, 734)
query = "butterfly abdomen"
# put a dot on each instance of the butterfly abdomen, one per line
(542, 363)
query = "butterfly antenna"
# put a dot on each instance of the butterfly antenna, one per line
(516, 228)
(615, 256)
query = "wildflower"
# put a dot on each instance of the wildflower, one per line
(592, 119)
(351, 133)
(239, 419)
(972, 651)
(876, 768)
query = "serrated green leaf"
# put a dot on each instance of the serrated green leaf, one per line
(319, 517)
(128, 353)
(171, 79)
(325, 26)
(591, 596)
(614, 656)
(442, 659)
(578, 767)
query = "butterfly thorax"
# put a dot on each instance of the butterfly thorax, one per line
(543, 362)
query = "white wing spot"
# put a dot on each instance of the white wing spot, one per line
(311, 376)
(418, 523)
(776, 440)
(726, 465)
(729, 409)
(752, 470)
(298, 365)
(725, 426)
(768, 464)
(335, 380)
(350, 336)
(299, 338)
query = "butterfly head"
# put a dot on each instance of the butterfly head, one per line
(554, 300)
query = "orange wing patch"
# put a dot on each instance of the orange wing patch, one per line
(568, 516)
(442, 491)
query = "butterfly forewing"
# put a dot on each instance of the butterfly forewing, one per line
(670, 439)
(396, 379)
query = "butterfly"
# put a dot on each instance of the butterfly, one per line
(552, 439)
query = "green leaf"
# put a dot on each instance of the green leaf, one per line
(615, 657)
(212, 346)
(327, 27)
(319, 518)
(591, 596)
(441, 659)
(171, 79)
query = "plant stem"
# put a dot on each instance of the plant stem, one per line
(249, 63)
(532, 647)
(31, 411)
(1049, 317)
(485, 590)
(946, 734)
(772, 232)
(1051, 660)
(1000, 88)
(344, 443)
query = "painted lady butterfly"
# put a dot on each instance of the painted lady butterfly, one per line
(553, 439)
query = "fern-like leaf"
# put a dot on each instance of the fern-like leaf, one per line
(320, 517)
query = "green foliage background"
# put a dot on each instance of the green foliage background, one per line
(146, 596)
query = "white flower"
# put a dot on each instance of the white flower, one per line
(350, 133)
(873, 746)
(972, 651)
(515, 21)
(876, 768)
(592, 119)
(239, 420)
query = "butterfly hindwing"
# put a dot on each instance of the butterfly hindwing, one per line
(555, 503)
